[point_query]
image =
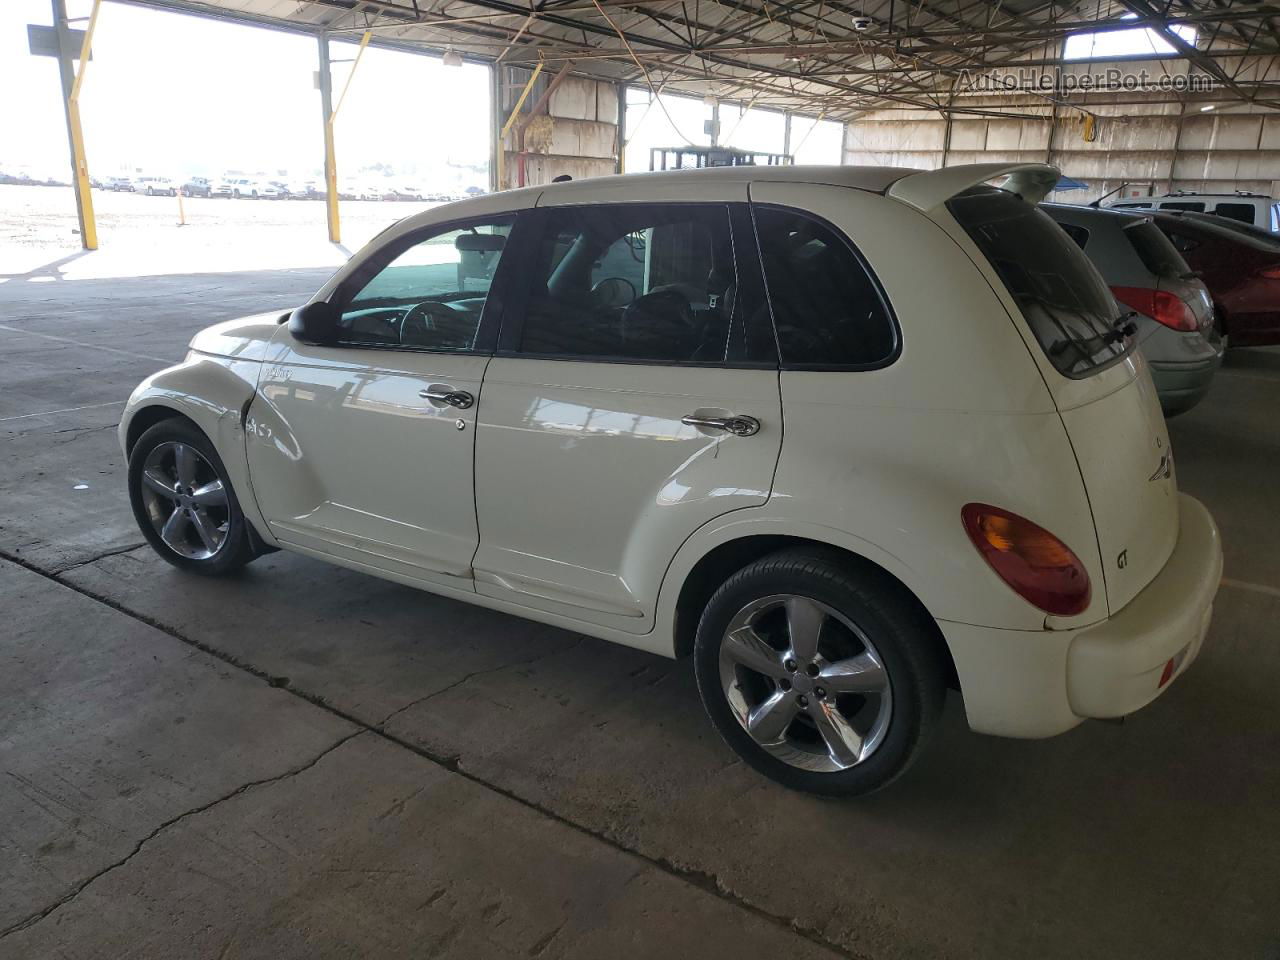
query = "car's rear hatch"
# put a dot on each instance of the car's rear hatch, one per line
(1098, 379)
(1172, 275)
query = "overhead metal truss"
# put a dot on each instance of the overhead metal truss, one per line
(804, 56)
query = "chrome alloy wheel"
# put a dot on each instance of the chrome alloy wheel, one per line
(186, 500)
(805, 683)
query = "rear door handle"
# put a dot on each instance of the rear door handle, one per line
(739, 426)
(455, 398)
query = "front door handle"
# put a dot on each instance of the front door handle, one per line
(455, 398)
(739, 426)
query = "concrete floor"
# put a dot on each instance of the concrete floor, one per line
(304, 761)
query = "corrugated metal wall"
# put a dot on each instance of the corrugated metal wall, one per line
(583, 139)
(1154, 146)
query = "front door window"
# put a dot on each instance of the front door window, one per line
(431, 295)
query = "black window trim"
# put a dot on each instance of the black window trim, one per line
(378, 260)
(517, 300)
(892, 357)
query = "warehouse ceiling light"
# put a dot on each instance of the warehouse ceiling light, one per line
(451, 58)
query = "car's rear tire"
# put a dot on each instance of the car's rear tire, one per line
(822, 673)
(183, 501)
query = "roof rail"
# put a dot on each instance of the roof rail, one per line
(932, 188)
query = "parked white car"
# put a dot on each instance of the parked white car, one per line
(568, 403)
(155, 186)
(1255, 209)
(239, 187)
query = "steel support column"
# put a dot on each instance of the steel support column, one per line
(330, 160)
(72, 78)
(330, 117)
(496, 71)
(620, 139)
(506, 127)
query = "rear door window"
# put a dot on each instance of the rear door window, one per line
(1236, 211)
(1155, 251)
(1065, 302)
(640, 283)
(1194, 205)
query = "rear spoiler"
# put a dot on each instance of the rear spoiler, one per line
(932, 188)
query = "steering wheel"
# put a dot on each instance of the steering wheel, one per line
(419, 323)
(614, 292)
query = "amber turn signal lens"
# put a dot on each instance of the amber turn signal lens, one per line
(1037, 565)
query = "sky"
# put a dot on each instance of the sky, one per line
(177, 95)
(1123, 43)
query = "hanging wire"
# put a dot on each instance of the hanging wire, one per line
(654, 93)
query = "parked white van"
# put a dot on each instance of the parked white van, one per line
(845, 436)
(1255, 209)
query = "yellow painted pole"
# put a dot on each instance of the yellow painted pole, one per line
(330, 153)
(506, 127)
(84, 189)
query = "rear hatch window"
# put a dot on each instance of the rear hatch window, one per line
(1161, 257)
(1065, 302)
(1156, 251)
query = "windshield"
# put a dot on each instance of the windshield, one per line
(1067, 305)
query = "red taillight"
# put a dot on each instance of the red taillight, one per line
(1271, 273)
(1159, 305)
(1037, 565)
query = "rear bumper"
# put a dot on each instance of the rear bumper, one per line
(1019, 683)
(1181, 386)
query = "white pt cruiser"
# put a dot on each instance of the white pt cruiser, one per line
(844, 436)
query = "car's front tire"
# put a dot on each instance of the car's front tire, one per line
(184, 503)
(822, 674)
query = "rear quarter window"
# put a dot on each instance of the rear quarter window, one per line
(828, 310)
(1244, 212)
(1067, 305)
(1079, 234)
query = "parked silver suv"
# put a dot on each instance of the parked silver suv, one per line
(1256, 209)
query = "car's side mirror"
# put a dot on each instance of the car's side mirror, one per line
(315, 323)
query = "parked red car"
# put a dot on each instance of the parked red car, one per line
(1241, 268)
